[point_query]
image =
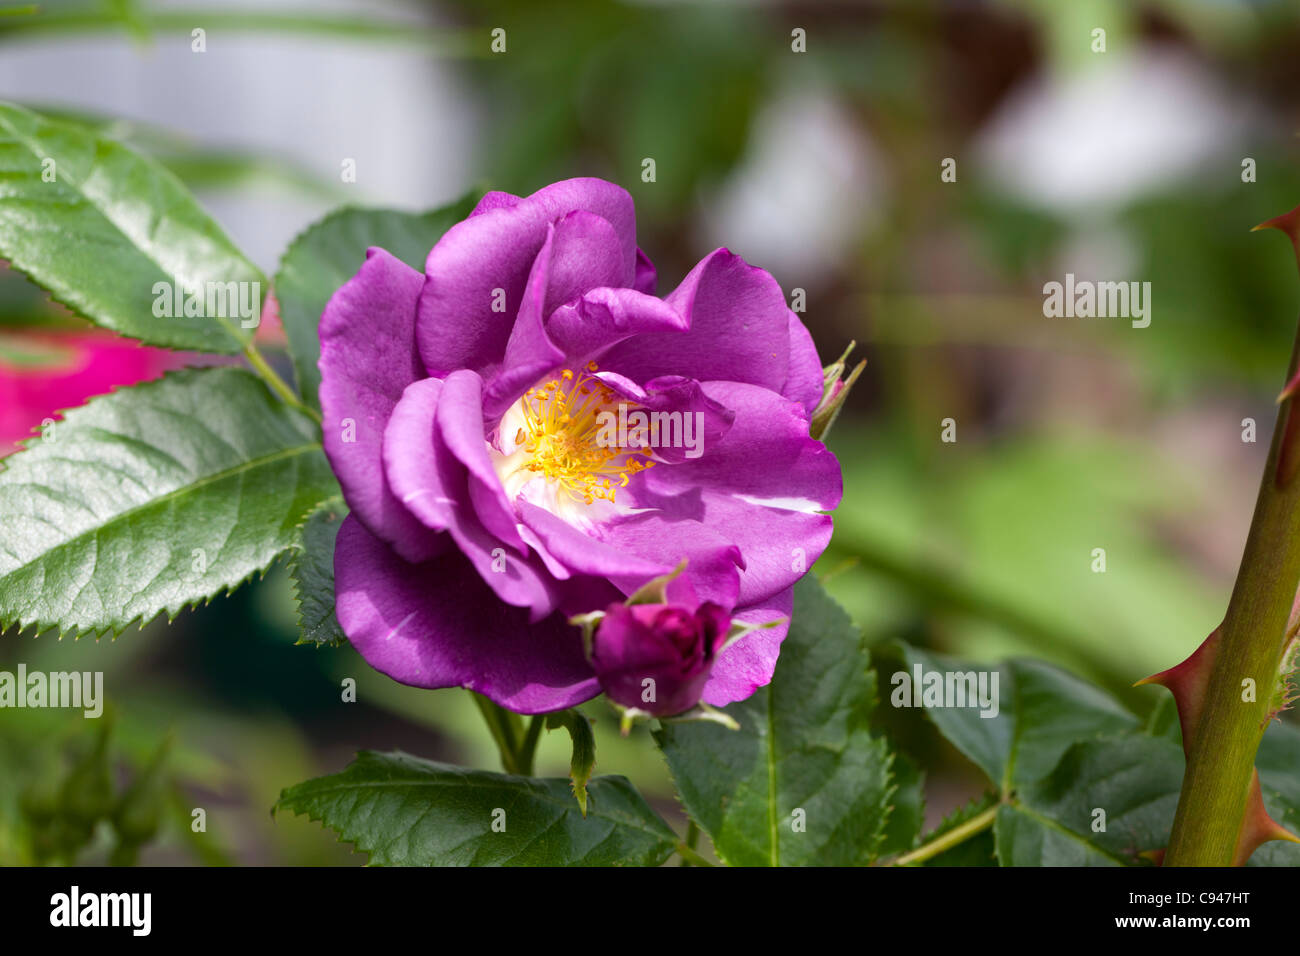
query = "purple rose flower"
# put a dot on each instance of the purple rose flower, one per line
(488, 423)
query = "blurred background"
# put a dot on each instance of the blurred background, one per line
(824, 167)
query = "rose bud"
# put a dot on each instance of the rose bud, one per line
(656, 658)
(835, 390)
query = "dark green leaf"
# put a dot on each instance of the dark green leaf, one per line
(906, 807)
(1163, 720)
(404, 811)
(1133, 779)
(313, 575)
(1041, 712)
(330, 252)
(803, 781)
(107, 227)
(154, 498)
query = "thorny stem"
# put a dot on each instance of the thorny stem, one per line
(1221, 755)
(958, 834)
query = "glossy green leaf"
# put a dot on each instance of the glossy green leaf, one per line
(110, 233)
(404, 811)
(154, 498)
(803, 781)
(330, 252)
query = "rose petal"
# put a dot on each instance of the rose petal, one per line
(766, 456)
(804, 382)
(713, 562)
(583, 554)
(581, 251)
(689, 409)
(434, 480)
(762, 487)
(368, 358)
(422, 480)
(460, 423)
(604, 317)
(739, 329)
(494, 249)
(438, 625)
(646, 277)
(748, 664)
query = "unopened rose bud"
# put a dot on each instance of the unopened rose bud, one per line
(834, 392)
(656, 658)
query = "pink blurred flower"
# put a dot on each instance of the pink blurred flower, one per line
(44, 373)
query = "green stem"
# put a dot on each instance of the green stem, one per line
(958, 834)
(1252, 639)
(528, 749)
(691, 856)
(506, 729)
(276, 383)
(692, 840)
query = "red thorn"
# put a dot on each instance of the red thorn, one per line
(1155, 856)
(1288, 223)
(1187, 682)
(1288, 461)
(1288, 456)
(1257, 827)
(1290, 389)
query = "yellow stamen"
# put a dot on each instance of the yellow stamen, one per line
(563, 422)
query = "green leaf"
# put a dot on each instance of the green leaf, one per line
(404, 811)
(1132, 779)
(330, 252)
(313, 575)
(1061, 753)
(907, 807)
(803, 781)
(1041, 711)
(110, 226)
(195, 163)
(583, 760)
(154, 498)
